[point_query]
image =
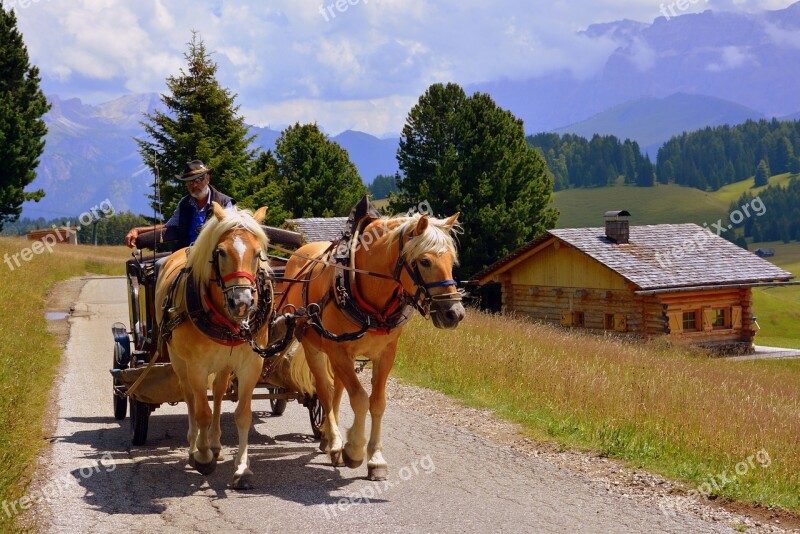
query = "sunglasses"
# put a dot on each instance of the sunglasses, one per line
(198, 180)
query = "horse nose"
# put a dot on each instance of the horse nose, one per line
(455, 314)
(241, 300)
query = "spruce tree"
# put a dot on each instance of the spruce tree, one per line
(317, 174)
(22, 130)
(201, 122)
(762, 174)
(465, 154)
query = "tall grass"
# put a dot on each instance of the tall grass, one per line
(28, 354)
(669, 410)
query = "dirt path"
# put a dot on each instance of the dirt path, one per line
(443, 477)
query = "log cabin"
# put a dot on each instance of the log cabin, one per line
(678, 280)
(64, 234)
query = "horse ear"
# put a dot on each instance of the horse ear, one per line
(219, 212)
(260, 214)
(422, 224)
(451, 221)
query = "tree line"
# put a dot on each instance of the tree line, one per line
(108, 230)
(713, 157)
(780, 220)
(574, 161)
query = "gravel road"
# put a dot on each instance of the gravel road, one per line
(443, 477)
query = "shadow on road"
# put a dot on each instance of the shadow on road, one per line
(141, 480)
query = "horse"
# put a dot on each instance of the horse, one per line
(216, 296)
(395, 265)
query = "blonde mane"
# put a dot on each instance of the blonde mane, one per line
(436, 239)
(200, 253)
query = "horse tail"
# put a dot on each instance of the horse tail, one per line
(300, 372)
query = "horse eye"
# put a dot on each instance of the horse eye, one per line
(425, 262)
(221, 252)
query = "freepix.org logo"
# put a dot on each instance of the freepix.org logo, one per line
(57, 235)
(21, 4)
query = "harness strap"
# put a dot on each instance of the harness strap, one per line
(218, 316)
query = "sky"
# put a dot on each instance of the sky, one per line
(346, 64)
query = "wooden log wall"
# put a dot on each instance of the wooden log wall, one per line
(731, 300)
(546, 303)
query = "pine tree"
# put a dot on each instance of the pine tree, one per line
(382, 186)
(762, 174)
(22, 129)
(466, 154)
(785, 155)
(201, 122)
(318, 177)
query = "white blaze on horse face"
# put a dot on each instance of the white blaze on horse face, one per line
(240, 247)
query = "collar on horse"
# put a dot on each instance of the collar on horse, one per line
(200, 310)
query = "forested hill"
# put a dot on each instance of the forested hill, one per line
(779, 216)
(575, 161)
(710, 158)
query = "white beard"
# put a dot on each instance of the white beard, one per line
(202, 194)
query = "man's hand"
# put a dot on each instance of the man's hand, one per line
(130, 239)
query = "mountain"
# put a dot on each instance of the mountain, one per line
(90, 155)
(748, 59)
(652, 121)
(371, 155)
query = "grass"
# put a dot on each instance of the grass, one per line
(29, 357)
(732, 192)
(778, 308)
(662, 204)
(667, 410)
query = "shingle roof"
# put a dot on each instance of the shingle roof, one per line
(318, 228)
(665, 256)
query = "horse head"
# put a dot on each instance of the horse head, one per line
(425, 268)
(236, 245)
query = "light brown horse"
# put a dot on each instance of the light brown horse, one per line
(396, 264)
(227, 273)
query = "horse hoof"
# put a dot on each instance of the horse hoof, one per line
(241, 483)
(336, 458)
(377, 472)
(349, 462)
(323, 444)
(203, 469)
(218, 456)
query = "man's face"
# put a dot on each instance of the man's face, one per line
(198, 187)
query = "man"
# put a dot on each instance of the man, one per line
(192, 210)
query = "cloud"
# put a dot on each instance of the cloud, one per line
(731, 57)
(377, 116)
(294, 56)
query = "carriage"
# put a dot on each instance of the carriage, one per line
(135, 345)
(341, 300)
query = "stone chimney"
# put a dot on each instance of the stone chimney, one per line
(617, 230)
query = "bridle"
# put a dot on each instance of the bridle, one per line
(221, 280)
(423, 288)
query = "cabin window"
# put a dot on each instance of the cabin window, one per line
(608, 324)
(579, 319)
(718, 316)
(690, 320)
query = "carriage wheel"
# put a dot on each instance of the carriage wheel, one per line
(317, 416)
(278, 406)
(140, 417)
(122, 352)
